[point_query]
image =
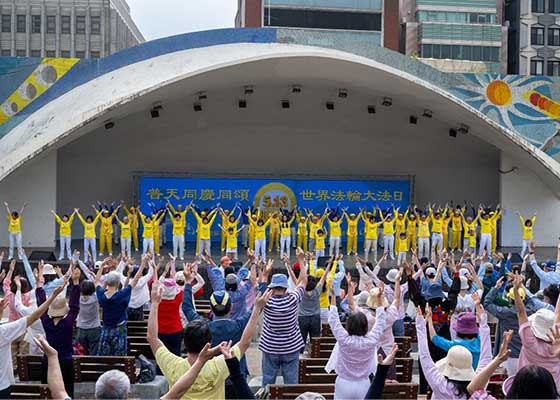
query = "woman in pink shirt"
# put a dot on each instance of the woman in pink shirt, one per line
(536, 344)
(354, 356)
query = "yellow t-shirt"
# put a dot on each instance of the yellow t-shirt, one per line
(371, 230)
(403, 245)
(204, 231)
(14, 225)
(313, 228)
(210, 382)
(302, 228)
(352, 229)
(389, 227)
(411, 227)
(334, 228)
(65, 227)
(231, 240)
(485, 225)
(472, 241)
(469, 227)
(527, 230)
(456, 223)
(260, 231)
(285, 229)
(320, 242)
(178, 226)
(106, 224)
(125, 230)
(400, 224)
(437, 225)
(148, 232)
(424, 228)
(274, 224)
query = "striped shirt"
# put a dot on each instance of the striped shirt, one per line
(281, 334)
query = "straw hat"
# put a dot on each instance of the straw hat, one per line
(372, 301)
(457, 365)
(58, 308)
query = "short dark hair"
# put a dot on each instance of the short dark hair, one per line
(552, 292)
(533, 382)
(24, 286)
(357, 324)
(220, 310)
(311, 283)
(467, 336)
(196, 335)
(87, 288)
(229, 270)
(232, 287)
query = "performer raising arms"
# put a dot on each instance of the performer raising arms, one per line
(203, 228)
(527, 227)
(65, 233)
(389, 232)
(351, 232)
(89, 234)
(302, 234)
(14, 230)
(132, 215)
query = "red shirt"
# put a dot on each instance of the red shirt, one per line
(169, 317)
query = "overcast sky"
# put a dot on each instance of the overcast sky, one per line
(161, 18)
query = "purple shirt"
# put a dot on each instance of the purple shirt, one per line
(441, 387)
(354, 357)
(60, 335)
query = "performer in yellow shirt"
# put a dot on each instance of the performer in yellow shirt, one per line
(370, 233)
(65, 233)
(495, 217)
(412, 223)
(456, 228)
(485, 232)
(400, 226)
(351, 233)
(106, 230)
(445, 227)
(203, 228)
(274, 232)
(286, 233)
(437, 230)
(178, 234)
(126, 236)
(320, 243)
(253, 218)
(424, 234)
(319, 273)
(147, 233)
(315, 223)
(389, 232)
(302, 235)
(260, 236)
(527, 226)
(402, 249)
(469, 232)
(334, 234)
(89, 234)
(232, 234)
(224, 214)
(14, 230)
(134, 224)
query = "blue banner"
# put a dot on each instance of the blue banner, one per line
(270, 195)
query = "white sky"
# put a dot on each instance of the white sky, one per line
(161, 18)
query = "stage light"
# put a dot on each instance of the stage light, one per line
(154, 112)
(427, 113)
(109, 125)
(242, 103)
(285, 104)
(197, 107)
(371, 109)
(248, 89)
(387, 102)
(329, 105)
(296, 89)
(202, 96)
(413, 120)
(342, 93)
(453, 133)
(464, 129)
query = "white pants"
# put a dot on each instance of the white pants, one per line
(423, 247)
(116, 233)
(245, 236)
(485, 243)
(232, 253)
(260, 248)
(65, 245)
(388, 245)
(371, 244)
(319, 253)
(204, 244)
(179, 245)
(346, 389)
(401, 257)
(90, 242)
(334, 245)
(293, 236)
(311, 244)
(148, 246)
(324, 315)
(126, 246)
(524, 247)
(466, 245)
(437, 242)
(510, 365)
(285, 242)
(162, 234)
(15, 240)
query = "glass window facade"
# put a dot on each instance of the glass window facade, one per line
(537, 36)
(553, 68)
(21, 23)
(35, 24)
(537, 6)
(95, 24)
(554, 6)
(51, 23)
(461, 52)
(80, 24)
(320, 19)
(554, 36)
(6, 23)
(455, 17)
(537, 67)
(65, 24)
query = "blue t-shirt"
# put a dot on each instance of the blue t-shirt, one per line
(471, 345)
(114, 307)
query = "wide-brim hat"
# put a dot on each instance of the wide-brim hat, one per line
(362, 299)
(48, 269)
(392, 275)
(180, 276)
(541, 323)
(466, 324)
(278, 281)
(58, 308)
(457, 365)
(170, 289)
(373, 301)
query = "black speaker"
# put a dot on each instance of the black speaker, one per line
(516, 258)
(42, 255)
(322, 261)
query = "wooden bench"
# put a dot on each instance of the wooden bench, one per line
(322, 347)
(290, 392)
(86, 368)
(90, 368)
(312, 370)
(30, 391)
(410, 330)
(139, 345)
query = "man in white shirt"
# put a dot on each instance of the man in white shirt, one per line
(11, 331)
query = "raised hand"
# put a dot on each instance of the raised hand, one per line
(389, 358)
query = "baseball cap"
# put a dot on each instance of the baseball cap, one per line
(220, 297)
(225, 260)
(430, 271)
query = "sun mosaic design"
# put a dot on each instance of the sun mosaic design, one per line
(523, 104)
